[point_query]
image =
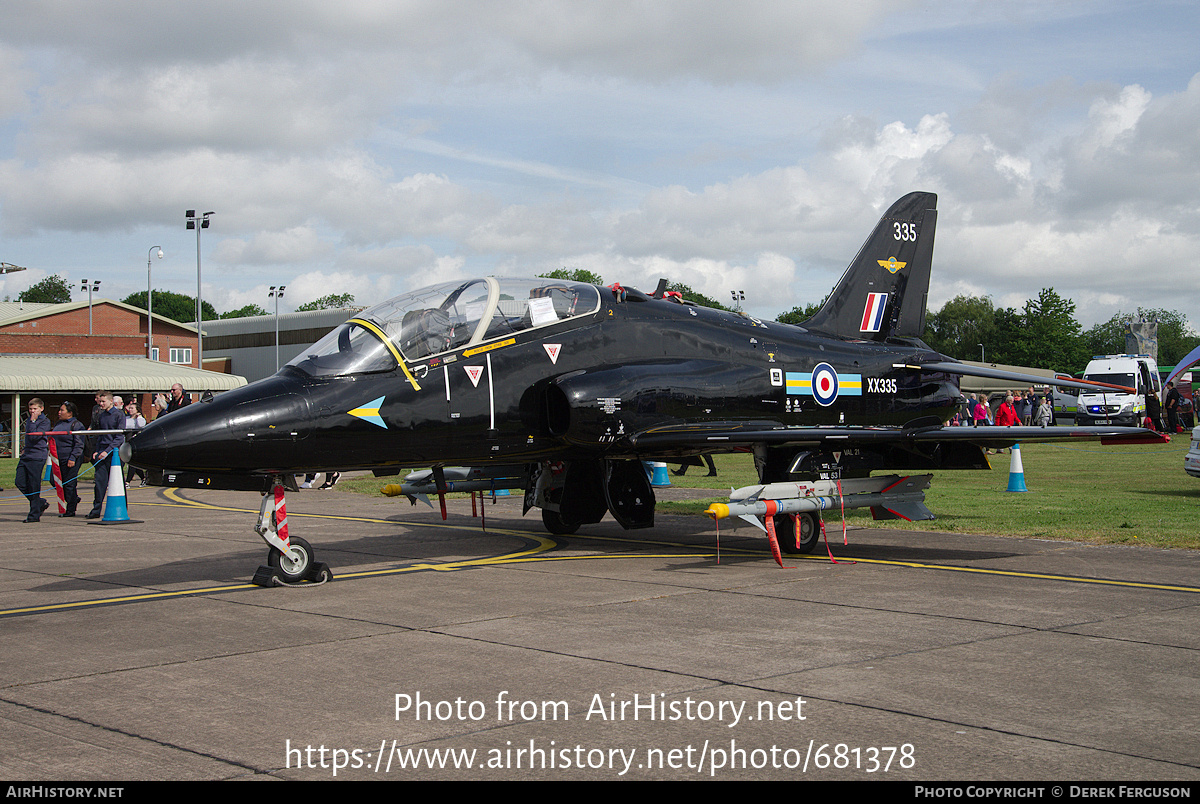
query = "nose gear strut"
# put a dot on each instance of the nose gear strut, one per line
(290, 561)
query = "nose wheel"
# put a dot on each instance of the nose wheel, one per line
(290, 560)
(294, 563)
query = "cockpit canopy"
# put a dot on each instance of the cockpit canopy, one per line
(443, 318)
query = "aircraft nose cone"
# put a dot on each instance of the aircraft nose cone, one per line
(147, 448)
(257, 428)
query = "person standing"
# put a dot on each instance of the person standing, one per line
(90, 445)
(1006, 416)
(1153, 411)
(33, 459)
(980, 413)
(1024, 407)
(178, 399)
(133, 421)
(1044, 414)
(70, 453)
(109, 419)
(1171, 403)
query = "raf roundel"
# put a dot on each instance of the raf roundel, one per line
(824, 384)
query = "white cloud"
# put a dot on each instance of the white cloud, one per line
(312, 285)
(237, 105)
(15, 81)
(297, 245)
(386, 145)
(664, 40)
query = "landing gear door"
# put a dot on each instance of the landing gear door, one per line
(628, 493)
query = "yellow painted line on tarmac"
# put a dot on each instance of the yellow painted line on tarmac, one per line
(112, 601)
(542, 544)
(1016, 574)
(849, 559)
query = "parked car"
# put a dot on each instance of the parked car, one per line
(1191, 461)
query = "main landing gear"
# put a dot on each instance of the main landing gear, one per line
(799, 535)
(289, 560)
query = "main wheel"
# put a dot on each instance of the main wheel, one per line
(555, 523)
(810, 532)
(295, 563)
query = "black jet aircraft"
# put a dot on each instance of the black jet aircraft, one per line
(570, 386)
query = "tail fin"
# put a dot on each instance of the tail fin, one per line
(884, 291)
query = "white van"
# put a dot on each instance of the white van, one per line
(1117, 407)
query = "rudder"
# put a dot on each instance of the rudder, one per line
(884, 292)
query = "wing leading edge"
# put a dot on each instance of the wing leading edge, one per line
(718, 434)
(954, 367)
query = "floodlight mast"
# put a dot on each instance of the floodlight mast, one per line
(89, 287)
(277, 294)
(202, 220)
(150, 303)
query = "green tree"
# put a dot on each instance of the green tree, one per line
(1175, 335)
(333, 301)
(576, 275)
(1003, 346)
(961, 325)
(175, 306)
(1050, 337)
(695, 296)
(51, 290)
(798, 315)
(245, 312)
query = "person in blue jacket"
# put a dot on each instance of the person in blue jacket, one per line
(33, 459)
(109, 419)
(70, 453)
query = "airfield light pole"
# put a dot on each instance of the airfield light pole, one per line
(739, 296)
(150, 303)
(982, 359)
(198, 222)
(89, 287)
(9, 268)
(277, 294)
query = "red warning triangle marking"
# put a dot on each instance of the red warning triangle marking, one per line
(552, 349)
(474, 372)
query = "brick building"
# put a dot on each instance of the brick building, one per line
(116, 329)
(50, 351)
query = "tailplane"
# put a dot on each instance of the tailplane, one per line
(884, 291)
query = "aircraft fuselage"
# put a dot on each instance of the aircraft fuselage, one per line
(579, 387)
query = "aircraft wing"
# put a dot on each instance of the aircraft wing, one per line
(951, 367)
(718, 435)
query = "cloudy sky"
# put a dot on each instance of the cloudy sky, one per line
(375, 147)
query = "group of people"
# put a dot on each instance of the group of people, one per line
(1178, 410)
(111, 418)
(1027, 408)
(1032, 408)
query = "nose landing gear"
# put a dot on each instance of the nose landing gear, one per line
(290, 560)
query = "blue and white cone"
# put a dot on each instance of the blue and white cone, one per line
(659, 477)
(115, 509)
(1016, 471)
